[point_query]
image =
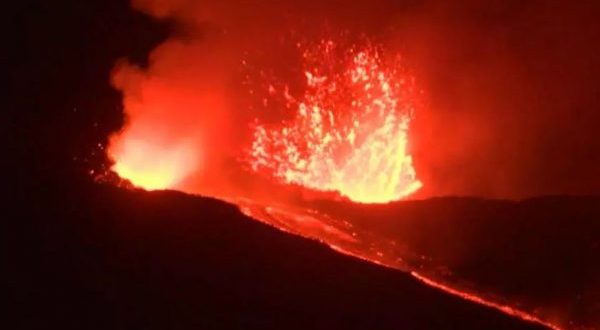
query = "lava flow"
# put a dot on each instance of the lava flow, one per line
(343, 236)
(349, 130)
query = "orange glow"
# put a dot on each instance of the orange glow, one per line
(152, 166)
(349, 131)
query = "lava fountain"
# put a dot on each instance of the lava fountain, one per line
(348, 132)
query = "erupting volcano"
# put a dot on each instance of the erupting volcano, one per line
(298, 164)
(340, 126)
(345, 130)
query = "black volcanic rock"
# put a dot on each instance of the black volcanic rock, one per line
(99, 257)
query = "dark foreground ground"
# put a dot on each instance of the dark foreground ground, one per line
(97, 257)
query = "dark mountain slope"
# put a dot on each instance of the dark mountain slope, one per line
(98, 257)
(539, 254)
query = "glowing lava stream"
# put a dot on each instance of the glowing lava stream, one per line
(338, 235)
(471, 297)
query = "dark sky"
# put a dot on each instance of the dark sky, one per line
(511, 87)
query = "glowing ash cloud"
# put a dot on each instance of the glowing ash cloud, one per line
(151, 166)
(175, 110)
(349, 131)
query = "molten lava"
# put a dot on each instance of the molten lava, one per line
(349, 130)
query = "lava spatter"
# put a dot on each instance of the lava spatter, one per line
(348, 132)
